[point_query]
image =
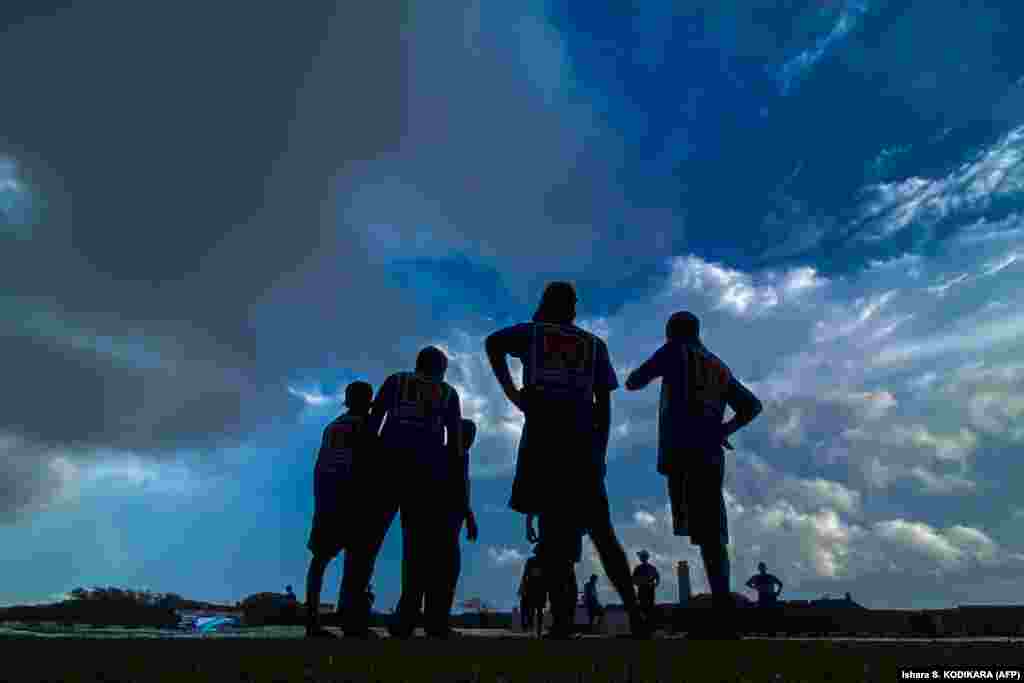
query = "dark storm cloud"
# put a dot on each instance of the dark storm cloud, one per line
(188, 255)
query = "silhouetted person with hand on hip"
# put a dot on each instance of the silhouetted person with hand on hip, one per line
(646, 578)
(566, 399)
(768, 586)
(422, 443)
(346, 442)
(696, 387)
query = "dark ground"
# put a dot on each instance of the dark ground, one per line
(488, 659)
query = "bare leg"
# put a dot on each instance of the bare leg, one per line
(314, 585)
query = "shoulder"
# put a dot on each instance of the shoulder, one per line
(512, 330)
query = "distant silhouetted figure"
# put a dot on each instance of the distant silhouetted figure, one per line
(595, 612)
(646, 578)
(566, 399)
(696, 387)
(767, 586)
(849, 598)
(290, 594)
(345, 440)
(421, 409)
(533, 594)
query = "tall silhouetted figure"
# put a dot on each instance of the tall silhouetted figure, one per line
(346, 442)
(767, 586)
(646, 578)
(696, 387)
(422, 441)
(566, 399)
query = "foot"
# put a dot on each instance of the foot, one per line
(318, 632)
(366, 634)
(448, 634)
(556, 633)
(400, 632)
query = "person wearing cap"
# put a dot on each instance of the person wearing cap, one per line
(560, 468)
(696, 387)
(421, 443)
(345, 442)
(646, 578)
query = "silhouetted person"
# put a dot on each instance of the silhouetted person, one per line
(595, 612)
(289, 594)
(533, 595)
(345, 440)
(646, 578)
(696, 387)
(462, 512)
(767, 586)
(849, 598)
(566, 400)
(422, 442)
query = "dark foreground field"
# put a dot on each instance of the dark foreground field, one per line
(485, 659)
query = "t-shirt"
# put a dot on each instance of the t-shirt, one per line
(645, 575)
(344, 440)
(419, 411)
(696, 387)
(563, 368)
(765, 585)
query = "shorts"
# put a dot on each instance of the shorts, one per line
(328, 536)
(698, 506)
(562, 530)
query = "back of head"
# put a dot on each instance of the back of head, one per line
(358, 395)
(468, 432)
(682, 326)
(762, 567)
(557, 304)
(432, 362)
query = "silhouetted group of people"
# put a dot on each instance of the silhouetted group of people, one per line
(407, 450)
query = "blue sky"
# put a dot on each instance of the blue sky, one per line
(199, 250)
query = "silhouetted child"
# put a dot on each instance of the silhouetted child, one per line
(345, 442)
(462, 512)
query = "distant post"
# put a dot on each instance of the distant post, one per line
(683, 573)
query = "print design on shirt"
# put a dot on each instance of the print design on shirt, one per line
(566, 360)
(418, 399)
(338, 453)
(709, 378)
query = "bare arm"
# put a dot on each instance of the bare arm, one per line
(603, 418)
(643, 375)
(746, 405)
(498, 355)
(380, 407)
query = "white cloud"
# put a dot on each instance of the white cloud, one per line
(504, 556)
(997, 171)
(737, 292)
